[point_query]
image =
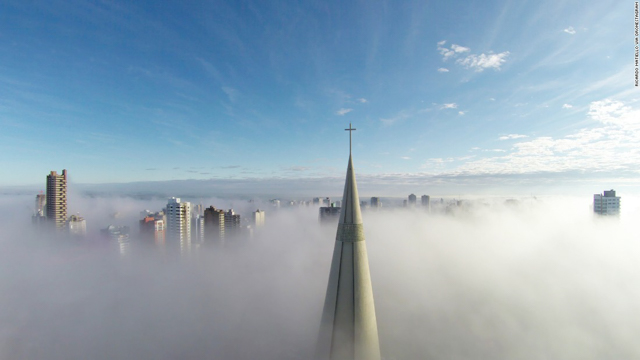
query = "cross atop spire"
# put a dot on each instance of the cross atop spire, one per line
(350, 129)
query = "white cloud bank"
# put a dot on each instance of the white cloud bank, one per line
(612, 144)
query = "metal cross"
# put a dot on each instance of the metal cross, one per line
(350, 129)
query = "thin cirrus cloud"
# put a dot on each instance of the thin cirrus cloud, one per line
(449, 106)
(363, 100)
(567, 106)
(443, 70)
(343, 111)
(477, 62)
(570, 30)
(512, 136)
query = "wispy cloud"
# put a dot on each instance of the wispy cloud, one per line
(567, 106)
(404, 114)
(512, 136)
(570, 30)
(449, 106)
(443, 70)
(363, 100)
(230, 167)
(405, 158)
(477, 62)
(461, 113)
(231, 93)
(297, 168)
(343, 111)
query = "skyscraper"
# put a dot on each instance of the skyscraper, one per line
(425, 200)
(375, 203)
(349, 329)
(57, 199)
(258, 218)
(412, 200)
(179, 221)
(607, 203)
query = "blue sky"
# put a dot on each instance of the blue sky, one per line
(486, 91)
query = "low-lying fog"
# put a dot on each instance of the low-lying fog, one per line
(541, 279)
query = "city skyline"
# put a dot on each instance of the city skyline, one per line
(464, 98)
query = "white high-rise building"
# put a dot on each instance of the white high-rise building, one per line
(607, 203)
(258, 218)
(179, 221)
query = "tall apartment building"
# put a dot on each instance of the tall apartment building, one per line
(231, 223)
(258, 218)
(412, 200)
(56, 201)
(425, 200)
(179, 221)
(607, 203)
(375, 203)
(214, 225)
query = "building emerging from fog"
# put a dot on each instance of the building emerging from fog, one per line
(349, 329)
(77, 225)
(425, 200)
(214, 225)
(412, 200)
(153, 226)
(607, 203)
(179, 221)
(328, 214)
(56, 202)
(232, 223)
(258, 218)
(375, 203)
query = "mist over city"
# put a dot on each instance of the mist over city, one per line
(488, 279)
(327, 180)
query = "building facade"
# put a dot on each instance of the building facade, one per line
(179, 221)
(214, 225)
(258, 218)
(77, 225)
(425, 200)
(412, 200)
(231, 224)
(607, 203)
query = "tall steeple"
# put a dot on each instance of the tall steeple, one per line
(349, 329)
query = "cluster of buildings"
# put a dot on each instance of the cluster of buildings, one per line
(185, 223)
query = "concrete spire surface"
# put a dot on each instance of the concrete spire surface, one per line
(349, 329)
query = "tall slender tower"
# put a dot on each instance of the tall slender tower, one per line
(56, 203)
(349, 329)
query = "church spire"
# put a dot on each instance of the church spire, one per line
(349, 329)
